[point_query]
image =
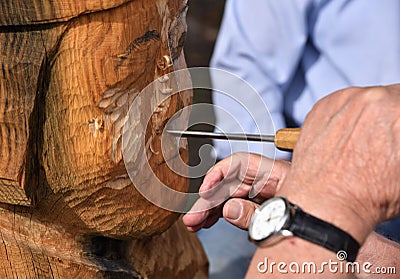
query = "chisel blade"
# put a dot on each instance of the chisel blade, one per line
(221, 136)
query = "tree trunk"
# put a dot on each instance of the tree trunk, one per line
(69, 72)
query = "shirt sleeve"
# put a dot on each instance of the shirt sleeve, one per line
(260, 42)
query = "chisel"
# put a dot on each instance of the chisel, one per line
(284, 139)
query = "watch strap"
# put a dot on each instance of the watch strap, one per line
(324, 234)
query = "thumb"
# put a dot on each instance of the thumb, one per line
(238, 212)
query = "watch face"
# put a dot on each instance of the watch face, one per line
(268, 218)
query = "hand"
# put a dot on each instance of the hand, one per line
(345, 167)
(238, 176)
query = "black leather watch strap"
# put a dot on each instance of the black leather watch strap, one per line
(324, 234)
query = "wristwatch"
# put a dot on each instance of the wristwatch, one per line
(277, 218)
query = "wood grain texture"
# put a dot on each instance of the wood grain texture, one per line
(80, 66)
(102, 55)
(31, 249)
(34, 12)
(191, 262)
(69, 72)
(23, 55)
(286, 138)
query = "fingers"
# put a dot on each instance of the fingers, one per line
(225, 170)
(265, 188)
(235, 177)
(239, 212)
(202, 215)
(195, 222)
(236, 211)
(217, 186)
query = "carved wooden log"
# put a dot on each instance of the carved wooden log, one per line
(69, 71)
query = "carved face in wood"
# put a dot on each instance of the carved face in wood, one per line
(69, 157)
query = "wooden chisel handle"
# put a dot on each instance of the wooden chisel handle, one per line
(285, 139)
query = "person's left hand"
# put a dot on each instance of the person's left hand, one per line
(240, 176)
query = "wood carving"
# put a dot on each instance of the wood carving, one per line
(69, 72)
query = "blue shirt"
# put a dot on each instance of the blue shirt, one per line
(294, 52)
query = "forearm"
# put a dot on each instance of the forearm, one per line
(302, 258)
(298, 257)
(379, 252)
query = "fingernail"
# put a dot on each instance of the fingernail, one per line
(234, 210)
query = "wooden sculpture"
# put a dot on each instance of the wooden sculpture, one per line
(69, 71)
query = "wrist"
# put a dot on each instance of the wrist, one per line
(332, 209)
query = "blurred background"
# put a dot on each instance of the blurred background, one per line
(203, 19)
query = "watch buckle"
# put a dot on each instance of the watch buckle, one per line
(285, 233)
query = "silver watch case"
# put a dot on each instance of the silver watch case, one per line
(281, 230)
